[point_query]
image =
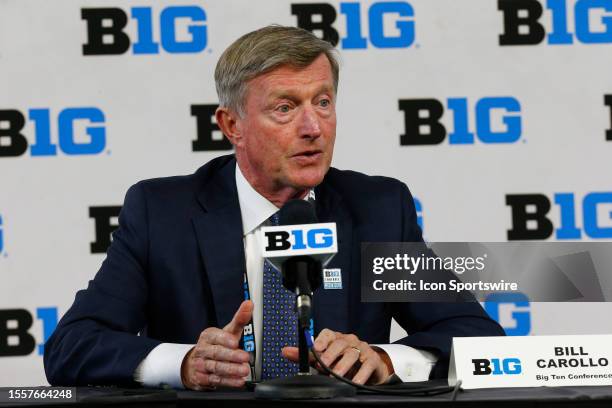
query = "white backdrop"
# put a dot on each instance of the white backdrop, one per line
(140, 107)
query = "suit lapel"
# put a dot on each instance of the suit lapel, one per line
(220, 238)
(219, 234)
(331, 306)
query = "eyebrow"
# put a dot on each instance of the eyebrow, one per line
(285, 94)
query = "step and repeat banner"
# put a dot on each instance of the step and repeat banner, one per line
(496, 113)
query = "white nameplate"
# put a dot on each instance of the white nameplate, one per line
(531, 361)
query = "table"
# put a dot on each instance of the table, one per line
(558, 397)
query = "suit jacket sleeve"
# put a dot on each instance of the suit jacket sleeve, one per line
(96, 341)
(431, 326)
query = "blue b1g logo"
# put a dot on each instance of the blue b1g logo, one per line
(422, 121)
(497, 366)
(530, 219)
(15, 143)
(248, 338)
(521, 315)
(106, 35)
(522, 22)
(322, 16)
(316, 238)
(15, 325)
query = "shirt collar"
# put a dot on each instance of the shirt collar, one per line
(254, 208)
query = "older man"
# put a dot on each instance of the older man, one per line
(187, 247)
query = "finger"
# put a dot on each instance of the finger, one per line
(213, 380)
(347, 361)
(214, 335)
(222, 368)
(365, 372)
(225, 369)
(220, 353)
(293, 354)
(241, 318)
(334, 350)
(323, 339)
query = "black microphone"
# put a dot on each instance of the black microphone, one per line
(301, 274)
(296, 212)
(299, 247)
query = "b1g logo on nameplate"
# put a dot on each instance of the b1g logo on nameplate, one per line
(531, 361)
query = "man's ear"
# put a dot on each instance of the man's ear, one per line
(227, 120)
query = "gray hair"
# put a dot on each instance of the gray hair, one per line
(263, 50)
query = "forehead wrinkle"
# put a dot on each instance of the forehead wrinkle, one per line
(287, 81)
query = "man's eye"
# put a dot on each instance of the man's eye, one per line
(324, 103)
(284, 108)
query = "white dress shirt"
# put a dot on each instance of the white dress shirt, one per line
(162, 366)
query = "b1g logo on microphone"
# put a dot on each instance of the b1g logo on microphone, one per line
(182, 29)
(497, 120)
(497, 366)
(530, 219)
(390, 23)
(105, 219)
(296, 240)
(14, 143)
(15, 336)
(208, 135)
(592, 22)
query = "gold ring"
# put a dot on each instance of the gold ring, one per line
(361, 356)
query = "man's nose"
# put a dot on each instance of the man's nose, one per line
(309, 124)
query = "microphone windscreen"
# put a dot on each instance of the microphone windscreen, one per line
(297, 212)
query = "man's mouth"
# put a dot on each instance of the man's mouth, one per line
(308, 156)
(309, 153)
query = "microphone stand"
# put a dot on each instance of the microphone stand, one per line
(302, 275)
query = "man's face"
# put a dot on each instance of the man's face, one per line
(288, 128)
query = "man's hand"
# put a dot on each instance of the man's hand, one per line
(348, 356)
(216, 359)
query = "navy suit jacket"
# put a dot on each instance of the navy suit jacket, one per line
(176, 266)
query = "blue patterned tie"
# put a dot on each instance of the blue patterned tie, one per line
(279, 323)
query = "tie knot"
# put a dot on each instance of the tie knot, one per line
(274, 219)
